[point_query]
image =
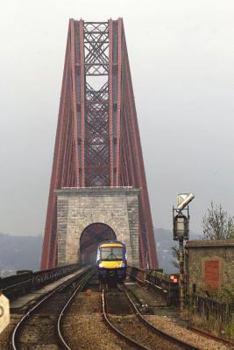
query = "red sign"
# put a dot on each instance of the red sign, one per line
(211, 270)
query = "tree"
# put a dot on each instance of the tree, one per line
(217, 224)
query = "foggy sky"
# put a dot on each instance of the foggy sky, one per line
(181, 56)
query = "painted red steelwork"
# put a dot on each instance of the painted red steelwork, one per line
(110, 83)
(97, 140)
(119, 98)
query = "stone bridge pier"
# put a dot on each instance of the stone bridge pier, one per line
(88, 216)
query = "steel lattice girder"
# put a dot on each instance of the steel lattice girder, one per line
(97, 140)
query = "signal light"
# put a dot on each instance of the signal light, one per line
(174, 279)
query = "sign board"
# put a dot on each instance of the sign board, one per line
(4, 312)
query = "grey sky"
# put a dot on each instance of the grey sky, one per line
(181, 55)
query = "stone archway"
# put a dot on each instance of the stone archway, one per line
(90, 238)
(79, 208)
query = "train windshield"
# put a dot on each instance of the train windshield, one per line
(109, 253)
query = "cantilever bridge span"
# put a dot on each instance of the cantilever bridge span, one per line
(98, 163)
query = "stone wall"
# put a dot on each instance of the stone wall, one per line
(209, 266)
(77, 208)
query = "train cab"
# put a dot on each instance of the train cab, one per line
(111, 260)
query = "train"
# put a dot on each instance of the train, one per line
(111, 261)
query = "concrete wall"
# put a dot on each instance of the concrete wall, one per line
(77, 208)
(4, 312)
(209, 265)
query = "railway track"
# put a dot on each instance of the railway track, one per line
(213, 337)
(155, 330)
(83, 324)
(136, 330)
(119, 332)
(81, 316)
(198, 338)
(41, 325)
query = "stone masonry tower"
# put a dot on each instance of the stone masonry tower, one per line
(80, 209)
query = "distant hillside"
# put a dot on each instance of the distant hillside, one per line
(164, 239)
(19, 252)
(24, 252)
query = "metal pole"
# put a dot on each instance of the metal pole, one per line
(181, 281)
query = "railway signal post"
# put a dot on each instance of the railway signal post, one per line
(180, 233)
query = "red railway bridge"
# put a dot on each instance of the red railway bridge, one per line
(97, 146)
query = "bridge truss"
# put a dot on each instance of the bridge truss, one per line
(97, 140)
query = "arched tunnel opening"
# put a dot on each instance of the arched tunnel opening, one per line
(90, 238)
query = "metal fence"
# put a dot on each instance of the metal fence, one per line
(161, 282)
(20, 284)
(211, 309)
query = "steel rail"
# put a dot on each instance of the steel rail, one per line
(80, 287)
(19, 325)
(211, 336)
(154, 329)
(128, 339)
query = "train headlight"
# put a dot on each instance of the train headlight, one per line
(100, 264)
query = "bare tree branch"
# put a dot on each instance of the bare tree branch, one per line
(217, 224)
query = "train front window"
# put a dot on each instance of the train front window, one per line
(108, 253)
